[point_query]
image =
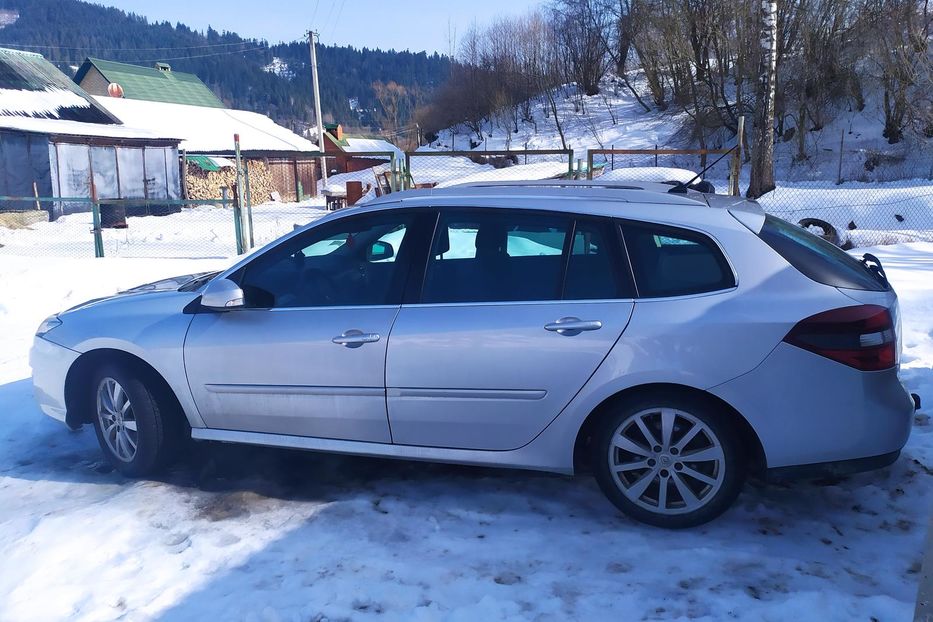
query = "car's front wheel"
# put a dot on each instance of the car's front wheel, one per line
(671, 461)
(133, 421)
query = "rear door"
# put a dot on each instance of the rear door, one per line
(517, 311)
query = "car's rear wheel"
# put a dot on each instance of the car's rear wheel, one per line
(669, 461)
(133, 421)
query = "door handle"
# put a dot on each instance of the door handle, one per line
(571, 326)
(355, 338)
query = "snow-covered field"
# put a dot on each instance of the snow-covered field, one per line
(255, 534)
(197, 232)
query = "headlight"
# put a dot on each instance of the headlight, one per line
(48, 324)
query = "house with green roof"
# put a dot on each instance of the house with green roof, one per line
(156, 84)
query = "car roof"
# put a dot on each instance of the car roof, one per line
(587, 196)
(555, 190)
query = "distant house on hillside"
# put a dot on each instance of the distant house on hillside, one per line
(348, 148)
(155, 84)
(57, 141)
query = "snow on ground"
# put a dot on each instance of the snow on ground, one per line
(203, 231)
(615, 119)
(237, 533)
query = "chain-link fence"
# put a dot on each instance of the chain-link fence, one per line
(852, 197)
(857, 197)
(139, 228)
(866, 208)
(439, 169)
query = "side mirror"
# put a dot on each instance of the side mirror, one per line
(222, 295)
(380, 251)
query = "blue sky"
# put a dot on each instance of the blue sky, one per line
(400, 24)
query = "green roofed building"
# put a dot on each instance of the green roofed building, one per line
(156, 84)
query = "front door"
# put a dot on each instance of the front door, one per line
(518, 309)
(307, 355)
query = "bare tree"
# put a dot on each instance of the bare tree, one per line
(391, 97)
(762, 170)
(582, 31)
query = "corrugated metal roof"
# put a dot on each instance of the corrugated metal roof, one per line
(31, 87)
(151, 84)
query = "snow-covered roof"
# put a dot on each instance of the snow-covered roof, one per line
(208, 130)
(519, 172)
(78, 128)
(648, 173)
(362, 145)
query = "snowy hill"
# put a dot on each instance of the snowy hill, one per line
(615, 119)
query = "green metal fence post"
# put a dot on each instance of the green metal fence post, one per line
(98, 236)
(238, 197)
(589, 164)
(249, 203)
(407, 176)
(237, 221)
(95, 211)
(570, 164)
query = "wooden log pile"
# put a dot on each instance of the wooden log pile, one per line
(204, 185)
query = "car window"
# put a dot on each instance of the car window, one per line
(489, 256)
(816, 258)
(669, 261)
(348, 262)
(596, 269)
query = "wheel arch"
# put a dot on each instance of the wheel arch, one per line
(78, 392)
(756, 453)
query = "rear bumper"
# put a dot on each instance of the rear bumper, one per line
(50, 363)
(831, 469)
(809, 410)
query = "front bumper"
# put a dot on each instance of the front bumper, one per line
(50, 363)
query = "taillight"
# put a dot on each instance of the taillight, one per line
(861, 337)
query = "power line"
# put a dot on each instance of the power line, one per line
(327, 19)
(96, 49)
(153, 60)
(337, 20)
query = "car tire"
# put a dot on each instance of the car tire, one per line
(653, 479)
(134, 420)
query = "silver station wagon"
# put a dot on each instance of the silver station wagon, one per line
(666, 341)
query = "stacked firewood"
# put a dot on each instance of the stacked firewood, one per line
(204, 185)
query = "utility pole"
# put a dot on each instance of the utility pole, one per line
(317, 103)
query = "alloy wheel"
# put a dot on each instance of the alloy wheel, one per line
(117, 420)
(666, 461)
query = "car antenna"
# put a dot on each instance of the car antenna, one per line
(681, 188)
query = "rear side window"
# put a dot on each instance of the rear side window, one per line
(668, 261)
(816, 258)
(596, 269)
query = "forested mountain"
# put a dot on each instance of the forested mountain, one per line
(245, 73)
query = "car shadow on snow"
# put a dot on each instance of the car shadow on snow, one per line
(368, 536)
